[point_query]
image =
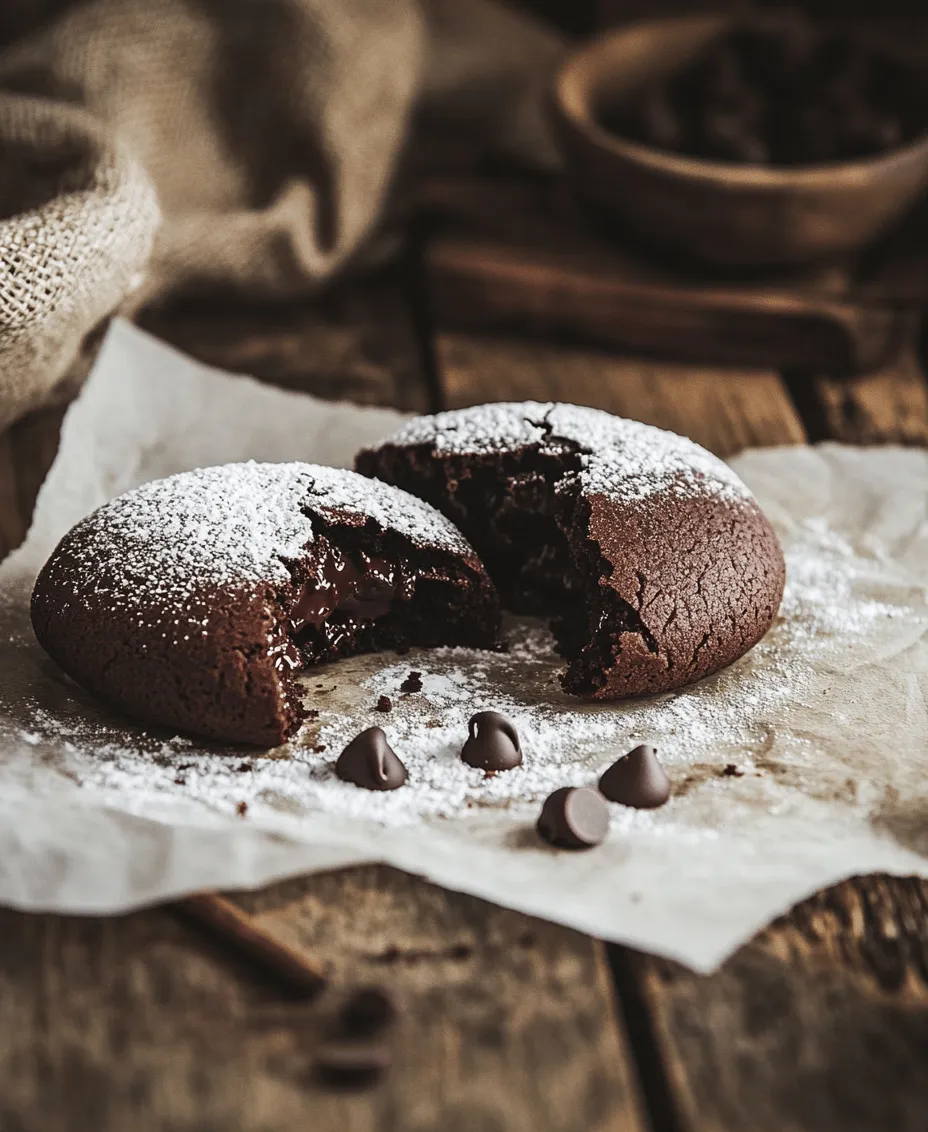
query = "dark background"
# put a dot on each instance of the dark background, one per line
(574, 16)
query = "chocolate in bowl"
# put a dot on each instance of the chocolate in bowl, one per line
(779, 90)
(730, 214)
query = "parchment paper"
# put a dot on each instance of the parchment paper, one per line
(802, 764)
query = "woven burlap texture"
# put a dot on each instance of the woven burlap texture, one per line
(247, 145)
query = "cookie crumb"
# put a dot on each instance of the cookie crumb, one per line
(312, 713)
(180, 780)
(241, 809)
(384, 703)
(732, 771)
(318, 748)
(412, 683)
(243, 768)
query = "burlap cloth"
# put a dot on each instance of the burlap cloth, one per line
(247, 145)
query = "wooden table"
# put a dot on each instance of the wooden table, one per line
(145, 1023)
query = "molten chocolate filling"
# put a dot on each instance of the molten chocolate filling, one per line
(344, 593)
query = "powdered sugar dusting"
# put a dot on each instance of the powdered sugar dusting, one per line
(622, 459)
(730, 720)
(227, 526)
(336, 492)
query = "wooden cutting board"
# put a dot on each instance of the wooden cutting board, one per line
(520, 255)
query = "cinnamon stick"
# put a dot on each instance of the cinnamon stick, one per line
(235, 927)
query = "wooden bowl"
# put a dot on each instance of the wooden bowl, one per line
(735, 216)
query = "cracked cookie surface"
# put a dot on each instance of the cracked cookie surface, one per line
(193, 602)
(652, 558)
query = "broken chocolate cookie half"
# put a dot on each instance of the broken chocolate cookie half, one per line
(193, 602)
(652, 559)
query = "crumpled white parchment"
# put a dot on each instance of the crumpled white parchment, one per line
(802, 764)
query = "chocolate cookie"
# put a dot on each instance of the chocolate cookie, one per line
(651, 556)
(194, 601)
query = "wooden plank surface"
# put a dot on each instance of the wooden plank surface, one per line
(724, 409)
(12, 522)
(522, 256)
(356, 343)
(887, 406)
(142, 1023)
(26, 453)
(509, 1021)
(820, 1024)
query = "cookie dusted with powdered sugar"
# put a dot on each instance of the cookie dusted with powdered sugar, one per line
(194, 601)
(652, 558)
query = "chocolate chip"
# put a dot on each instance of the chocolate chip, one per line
(660, 125)
(574, 818)
(371, 762)
(368, 1013)
(241, 809)
(493, 742)
(384, 703)
(637, 779)
(733, 771)
(244, 768)
(350, 1065)
(412, 683)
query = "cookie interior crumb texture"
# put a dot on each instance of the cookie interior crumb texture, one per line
(649, 555)
(195, 601)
